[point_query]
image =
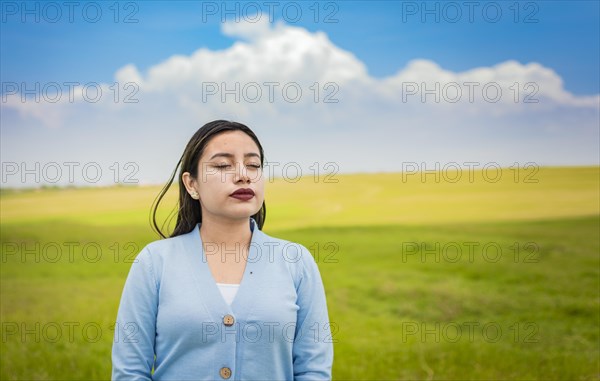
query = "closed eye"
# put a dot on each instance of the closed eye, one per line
(222, 166)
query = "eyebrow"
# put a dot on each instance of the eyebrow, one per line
(229, 155)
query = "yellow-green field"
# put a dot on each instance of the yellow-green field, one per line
(425, 280)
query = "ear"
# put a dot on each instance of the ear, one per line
(190, 184)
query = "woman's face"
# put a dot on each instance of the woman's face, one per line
(230, 161)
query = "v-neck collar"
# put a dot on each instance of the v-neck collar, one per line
(207, 286)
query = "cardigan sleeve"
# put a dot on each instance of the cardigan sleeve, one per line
(313, 344)
(135, 329)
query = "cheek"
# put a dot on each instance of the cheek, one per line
(261, 197)
(211, 185)
(259, 186)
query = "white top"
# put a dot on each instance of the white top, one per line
(228, 290)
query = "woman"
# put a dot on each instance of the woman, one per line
(219, 299)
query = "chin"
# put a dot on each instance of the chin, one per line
(245, 213)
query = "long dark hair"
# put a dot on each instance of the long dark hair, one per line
(189, 212)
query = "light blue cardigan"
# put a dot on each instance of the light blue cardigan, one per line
(171, 308)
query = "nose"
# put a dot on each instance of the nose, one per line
(241, 174)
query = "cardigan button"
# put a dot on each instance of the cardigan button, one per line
(228, 320)
(225, 372)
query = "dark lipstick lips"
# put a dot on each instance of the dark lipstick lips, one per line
(245, 191)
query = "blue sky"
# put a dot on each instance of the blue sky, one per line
(373, 54)
(385, 35)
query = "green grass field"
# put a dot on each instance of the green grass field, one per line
(433, 280)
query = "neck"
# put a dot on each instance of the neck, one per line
(226, 231)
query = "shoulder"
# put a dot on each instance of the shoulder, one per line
(158, 252)
(296, 257)
(165, 246)
(160, 255)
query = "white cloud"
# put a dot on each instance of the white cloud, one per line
(252, 28)
(423, 112)
(129, 73)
